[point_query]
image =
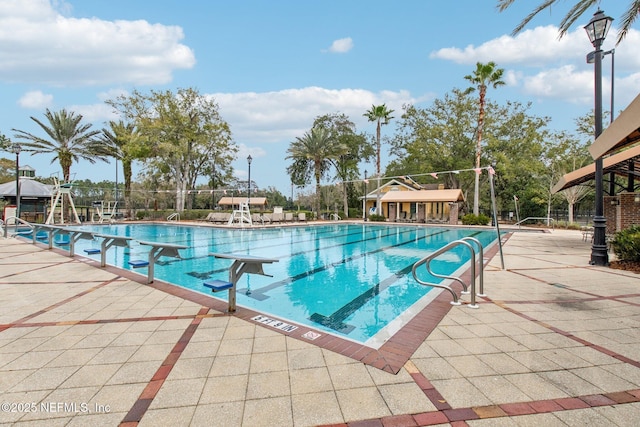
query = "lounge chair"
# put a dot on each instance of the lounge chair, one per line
(302, 216)
(257, 218)
(221, 217)
(288, 217)
(277, 217)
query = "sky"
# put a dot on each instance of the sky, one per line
(273, 66)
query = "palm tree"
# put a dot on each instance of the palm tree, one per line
(315, 152)
(69, 140)
(123, 142)
(484, 74)
(581, 6)
(382, 116)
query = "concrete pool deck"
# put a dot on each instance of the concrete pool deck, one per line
(556, 342)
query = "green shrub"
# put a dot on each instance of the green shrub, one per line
(377, 218)
(568, 225)
(471, 219)
(626, 244)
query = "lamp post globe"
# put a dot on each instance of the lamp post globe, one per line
(597, 30)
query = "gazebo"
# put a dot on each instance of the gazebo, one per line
(35, 196)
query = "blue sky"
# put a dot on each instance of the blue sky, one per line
(274, 66)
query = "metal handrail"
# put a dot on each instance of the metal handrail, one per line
(480, 263)
(335, 217)
(546, 218)
(17, 220)
(173, 216)
(427, 260)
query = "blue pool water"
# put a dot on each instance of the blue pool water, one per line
(352, 280)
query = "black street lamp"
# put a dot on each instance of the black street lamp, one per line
(597, 30)
(590, 60)
(16, 149)
(249, 183)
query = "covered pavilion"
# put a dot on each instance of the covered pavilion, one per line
(619, 148)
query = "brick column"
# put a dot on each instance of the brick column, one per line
(454, 210)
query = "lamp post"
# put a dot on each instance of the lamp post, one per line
(16, 149)
(597, 30)
(590, 60)
(249, 182)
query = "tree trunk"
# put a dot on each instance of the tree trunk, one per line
(126, 170)
(345, 200)
(476, 193)
(570, 213)
(378, 207)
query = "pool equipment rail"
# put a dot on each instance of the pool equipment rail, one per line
(241, 264)
(427, 260)
(16, 221)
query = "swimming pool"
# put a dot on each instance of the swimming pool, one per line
(351, 280)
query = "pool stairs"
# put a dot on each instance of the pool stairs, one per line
(475, 260)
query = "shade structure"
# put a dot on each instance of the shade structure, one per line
(617, 147)
(255, 201)
(622, 133)
(618, 163)
(28, 188)
(423, 196)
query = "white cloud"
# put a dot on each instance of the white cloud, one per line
(35, 99)
(562, 83)
(531, 47)
(544, 66)
(95, 113)
(272, 117)
(39, 45)
(341, 45)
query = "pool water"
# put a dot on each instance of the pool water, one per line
(351, 280)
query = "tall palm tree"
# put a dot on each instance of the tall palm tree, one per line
(314, 153)
(382, 116)
(68, 140)
(123, 142)
(484, 74)
(581, 6)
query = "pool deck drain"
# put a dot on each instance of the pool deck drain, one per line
(136, 354)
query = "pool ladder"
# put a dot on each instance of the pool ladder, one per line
(466, 242)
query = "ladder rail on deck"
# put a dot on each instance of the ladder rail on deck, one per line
(16, 221)
(474, 261)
